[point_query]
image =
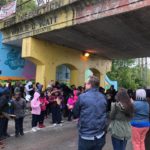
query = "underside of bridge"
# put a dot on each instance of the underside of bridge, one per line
(126, 35)
(123, 35)
(106, 30)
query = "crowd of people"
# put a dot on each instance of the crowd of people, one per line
(57, 100)
(123, 113)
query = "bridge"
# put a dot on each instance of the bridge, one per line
(59, 32)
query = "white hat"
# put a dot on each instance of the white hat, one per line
(140, 94)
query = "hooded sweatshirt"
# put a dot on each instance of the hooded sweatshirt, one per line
(75, 92)
(71, 102)
(36, 104)
(27, 87)
(44, 103)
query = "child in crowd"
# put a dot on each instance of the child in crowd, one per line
(47, 111)
(19, 105)
(71, 102)
(44, 103)
(36, 111)
(75, 95)
(55, 100)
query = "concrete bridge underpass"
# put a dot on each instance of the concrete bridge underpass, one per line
(59, 32)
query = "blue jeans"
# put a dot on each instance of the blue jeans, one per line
(96, 144)
(119, 144)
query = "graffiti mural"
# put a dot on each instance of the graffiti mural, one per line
(14, 60)
(12, 65)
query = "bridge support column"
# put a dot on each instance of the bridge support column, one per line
(74, 77)
(40, 74)
(48, 57)
(102, 80)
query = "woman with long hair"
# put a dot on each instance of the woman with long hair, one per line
(121, 115)
(140, 122)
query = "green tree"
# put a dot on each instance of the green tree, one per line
(4, 2)
(25, 6)
(127, 73)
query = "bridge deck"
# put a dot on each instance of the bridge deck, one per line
(117, 29)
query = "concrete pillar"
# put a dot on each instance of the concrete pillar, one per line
(102, 80)
(40, 74)
(74, 77)
(81, 77)
(52, 73)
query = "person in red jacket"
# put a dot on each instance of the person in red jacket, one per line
(44, 102)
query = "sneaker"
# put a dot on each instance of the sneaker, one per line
(37, 128)
(22, 134)
(34, 129)
(54, 125)
(61, 124)
(17, 135)
(42, 126)
(7, 135)
(2, 138)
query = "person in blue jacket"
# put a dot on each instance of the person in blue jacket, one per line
(91, 109)
(140, 122)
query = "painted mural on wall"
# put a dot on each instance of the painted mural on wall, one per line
(13, 65)
(14, 60)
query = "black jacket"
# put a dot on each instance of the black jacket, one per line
(4, 107)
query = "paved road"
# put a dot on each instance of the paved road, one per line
(50, 138)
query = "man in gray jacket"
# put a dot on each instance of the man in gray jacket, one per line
(91, 109)
(19, 105)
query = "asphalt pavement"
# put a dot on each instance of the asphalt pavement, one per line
(49, 138)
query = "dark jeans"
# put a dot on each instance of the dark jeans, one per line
(96, 144)
(56, 114)
(48, 109)
(19, 125)
(119, 144)
(3, 126)
(41, 117)
(35, 120)
(70, 114)
(2, 122)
